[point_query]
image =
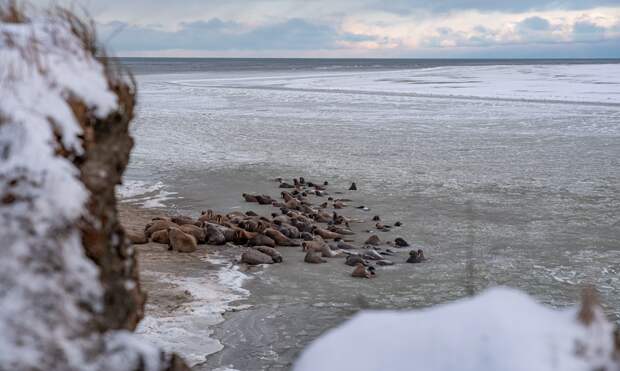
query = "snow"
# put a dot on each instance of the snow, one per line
(501, 329)
(187, 330)
(583, 83)
(49, 289)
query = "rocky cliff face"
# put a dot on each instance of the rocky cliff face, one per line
(69, 287)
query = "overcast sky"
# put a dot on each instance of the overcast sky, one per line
(362, 28)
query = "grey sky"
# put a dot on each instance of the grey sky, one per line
(363, 28)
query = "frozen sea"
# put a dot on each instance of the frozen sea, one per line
(519, 160)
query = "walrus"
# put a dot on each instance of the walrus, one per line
(372, 255)
(312, 258)
(382, 226)
(158, 225)
(262, 240)
(161, 237)
(312, 245)
(251, 213)
(326, 234)
(182, 219)
(400, 242)
(293, 203)
(264, 200)
(279, 238)
(249, 197)
(199, 234)
(306, 236)
(385, 262)
(345, 246)
(241, 237)
(327, 252)
(398, 224)
(339, 205)
(286, 185)
(354, 260)
(181, 241)
(416, 256)
(136, 238)
(339, 230)
(275, 254)
(373, 240)
(353, 187)
(214, 235)
(255, 257)
(360, 271)
(376, 218)
(288, 230)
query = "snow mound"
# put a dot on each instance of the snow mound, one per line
(501, 329)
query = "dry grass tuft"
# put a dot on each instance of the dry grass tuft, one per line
(12, 12)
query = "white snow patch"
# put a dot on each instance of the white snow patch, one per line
(187, 330)
(501, 329)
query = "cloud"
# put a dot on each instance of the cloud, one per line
(216, 34)
(352, 28)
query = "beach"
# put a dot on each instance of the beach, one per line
(470, 162)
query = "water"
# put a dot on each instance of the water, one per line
(520, 159)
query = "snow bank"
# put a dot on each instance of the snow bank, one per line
(50, 292)
(501, 329)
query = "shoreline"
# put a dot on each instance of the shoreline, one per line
(254, 320)
(182, 305)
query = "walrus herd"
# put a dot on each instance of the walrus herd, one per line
(318, 228)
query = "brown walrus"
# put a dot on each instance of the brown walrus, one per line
(324, 233)
(158, 225)
(264, 200)
(360, 271)
(249, 197)
(181, 241)
(312, 245)
(373, 240)
(327, 252)
(339, 230)
(275, 254)
(312, 258)
(199, 234)
(353, 260)
(241, 237)
(182, 219)
(400, 242)
(255, 257)
(161, 237)
(262, 240)
(279, 238)
(136, 238)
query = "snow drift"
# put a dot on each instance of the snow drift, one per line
(501, 329)
(69, 290)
